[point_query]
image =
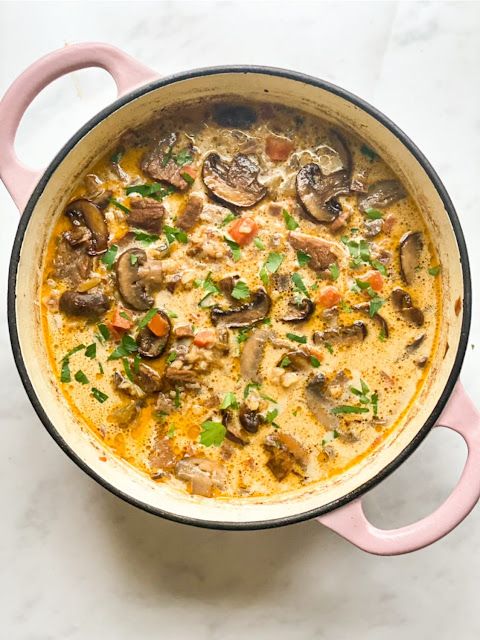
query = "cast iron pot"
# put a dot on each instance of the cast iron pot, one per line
(40, 195)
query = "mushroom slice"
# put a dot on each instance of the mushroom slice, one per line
(234, 116)
(382, 194)
(252, 353)
(147, 378)
(284, 451)
(322, 252)
(202, 475)
(250, 419)
(415, 344)
(411, 245)
(149, 344)
(82, 211)
(318, 403)
(402, 301)
(304, 308)
(334, 158)
(297, 359)
(316, 191)
(130, 283)
(245, 315)
(89, 304)
(232, 435)
(235, 182)
(364, 307)
(346, 334)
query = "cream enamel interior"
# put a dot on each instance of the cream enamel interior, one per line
(261, 87)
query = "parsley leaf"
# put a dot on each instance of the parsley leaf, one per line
(240, 290)
(127, 346)
(328, 347)
(172, 234)
(99, 395)
(234, 248)
(373, 214)
(249, 387)
(296, 338)
(229, 401)
(334, 271)
(434, 271)
(285, 362)
(299, 285)
(104, 331)
(155, 190)
(315, 362)
(271, 265)
(91, 350)
(213, 433)
(303, 258)
(183, 157)
(259, 244)
(108, 258)
(172, 356)
(243, 335)
(146, 238)
(290, 222)
(119, 205)
(227, 219)
(127, 369)
(81, 377)
(147, 317)
(375, 304)
(65, 375)
(187, 177)
(346, 408)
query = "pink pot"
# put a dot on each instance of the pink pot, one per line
(337, 503)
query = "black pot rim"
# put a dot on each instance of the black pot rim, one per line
(427, 167)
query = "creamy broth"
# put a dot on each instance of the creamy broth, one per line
(240, 299)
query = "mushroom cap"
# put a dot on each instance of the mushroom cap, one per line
(88, 304)
(129, 282)
(411, 245)
(233, 182)
(245, 315)
(83, 210)
(317, 192)
(304, 308)
(381, 194)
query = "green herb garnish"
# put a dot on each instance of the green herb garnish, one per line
(296, 338)
(303, 258)
(127, 346)
(334, 271)
(259, 244)
(155, 190)
(91, 350)
(227, 219)
(290, 222)
(315, 362)
(146, 238)
(172, 356)
(285, 362)
(99, 395)
(147, 317)
(119, 205)
(213, 433)
(328, 347)
(249, 387)
(229, 401)
(243, 335)
(104, 331)
(108, 258)
(299, 285)
(187, 177)
(65, 375)
(127, 369)
(183, 157)
(434, 271)
(234, 248)
(240, 291)
(172, 234)
(373, 214)
(270, 266)
(346, 408)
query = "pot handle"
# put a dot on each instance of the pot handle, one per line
(125, 70)
(350, 521)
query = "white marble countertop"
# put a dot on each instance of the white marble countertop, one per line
(77, 563)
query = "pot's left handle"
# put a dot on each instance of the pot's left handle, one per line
(125, 70)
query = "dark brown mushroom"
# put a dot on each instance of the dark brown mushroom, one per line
(364, 307)
(226, 286)
(297, 359)
(146, 213)
(83, 212)
(234, 116)
(411, 246)
(250, 419)
(318, 402)
(415, 344)
(402, 301)
(345, 334)
(382, 194)
(284, 451)
(252, 353)
(131, 284)
(96, 191)
(231, 434)
(304, 309)
(149, 344)
(146, 378)
(201, 474)
(322, 252)
(317, 192)
(89, 304)
(233, 182)
(246, 314)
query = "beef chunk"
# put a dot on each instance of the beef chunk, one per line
(147, 214)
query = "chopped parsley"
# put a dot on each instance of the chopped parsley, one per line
(334, 271)
(119, 205)
(270, 418)
(172, 234)
(117, 156)
(108, 258)
(146, 238)
(234, 248)
(171, 432)
(228, 218)
(315, 362)
(299, 285)
(434, 271)
(126, 347)
(147, 317)
(176, 400)
(210, 288)
(373, 214)
(133, 259)
(229, 401)
(296, 338)
(155, 190)
(240, 290)
(290, 222)
(91, 350)
(249, 387)
(271, 265)
(172, 356)
(187, 177)
(328, 347)
(285, 362)
(213, 433)
(379, 267)
(243, 335)
(65, 375)
(359, 251)
(259, 244)
(183, 157)
(104, 331)
(375, 304)
(303, 258)
(171, 314)
(99, 395)
(127, 369)
(346, 408)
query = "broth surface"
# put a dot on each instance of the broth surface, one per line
(278, 273)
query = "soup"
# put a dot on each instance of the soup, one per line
(240, 299)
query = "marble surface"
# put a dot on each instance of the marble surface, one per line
(78, 563)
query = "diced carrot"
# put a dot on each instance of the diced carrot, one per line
(205, 338)
(374, 278)
(103, 458)
(158, 325)
(329, 297)
(278, 148)
(243, 230)
(316, 353)
(119, 321)
(192, 172)
(115, 334)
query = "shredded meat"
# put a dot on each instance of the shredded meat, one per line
(146, 213)
(320, 251)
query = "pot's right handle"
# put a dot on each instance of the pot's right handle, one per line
(125, 70)
(350, 521)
